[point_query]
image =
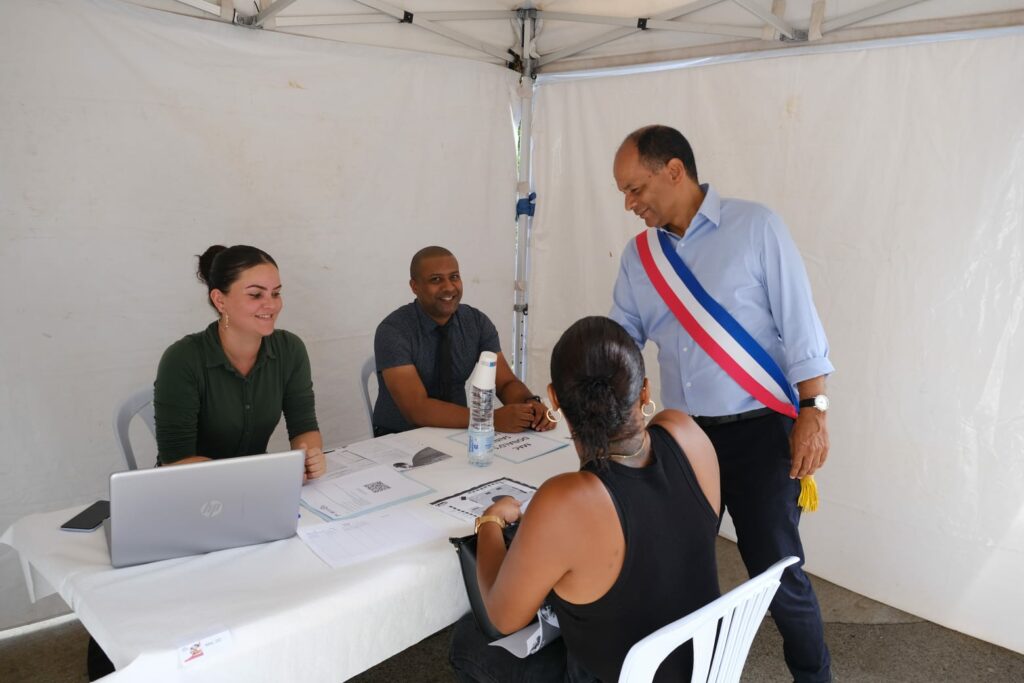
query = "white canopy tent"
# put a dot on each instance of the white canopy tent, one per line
(132, 139)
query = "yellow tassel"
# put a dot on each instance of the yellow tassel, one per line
(808, 500)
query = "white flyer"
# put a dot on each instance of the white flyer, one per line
(341, 462)
(534, 636)
(518, 447)
(357, 492)
(350, 541)
(400, 451)
(471, 503)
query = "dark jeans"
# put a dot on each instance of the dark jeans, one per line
(475, 661)
(754, 459)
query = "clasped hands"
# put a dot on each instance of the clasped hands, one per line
(517, 417)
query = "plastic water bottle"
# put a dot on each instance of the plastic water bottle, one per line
(481, 410)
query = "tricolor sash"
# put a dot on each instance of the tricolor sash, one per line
(711, 326)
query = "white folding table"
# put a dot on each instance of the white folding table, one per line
(287, 615)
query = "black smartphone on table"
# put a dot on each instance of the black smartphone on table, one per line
(90, 518)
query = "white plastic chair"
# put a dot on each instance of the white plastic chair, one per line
(740, 612)
(369, 370)
(139, 403)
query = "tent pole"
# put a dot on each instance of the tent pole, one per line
(524, 218)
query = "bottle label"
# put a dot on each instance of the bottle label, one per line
(481, 443)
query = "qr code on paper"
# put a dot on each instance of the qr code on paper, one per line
(377, 487)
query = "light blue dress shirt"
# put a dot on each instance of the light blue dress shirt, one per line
(742, 254)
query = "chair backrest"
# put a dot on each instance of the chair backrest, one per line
(369, 370)
(740, 612)
(139, 403)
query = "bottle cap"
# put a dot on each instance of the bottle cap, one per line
(486, 367)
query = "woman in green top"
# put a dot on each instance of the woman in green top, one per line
(220, 393)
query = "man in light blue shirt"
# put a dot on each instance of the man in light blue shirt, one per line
(742, 254)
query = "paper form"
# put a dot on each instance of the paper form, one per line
(400, 451)
(518, 447)
(471, 503)
(351, 541)
(356, 492)
(341, 462)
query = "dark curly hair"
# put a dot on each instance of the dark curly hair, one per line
(597, 372)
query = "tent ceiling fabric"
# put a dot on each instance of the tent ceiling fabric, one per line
(580, 34)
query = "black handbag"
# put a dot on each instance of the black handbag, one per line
(466, 549)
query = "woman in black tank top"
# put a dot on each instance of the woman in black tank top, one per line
(620, 548)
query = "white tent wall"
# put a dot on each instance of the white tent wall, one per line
(900, 172)
(132, 139)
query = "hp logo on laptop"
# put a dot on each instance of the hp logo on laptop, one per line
(211, 508)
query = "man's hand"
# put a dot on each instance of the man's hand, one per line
(541, 423)
(808, 443)
(515, 417)
(316, 462)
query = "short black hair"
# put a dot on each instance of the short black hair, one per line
(425, 253)
(220, 266)
(597, 372)
(657, 145)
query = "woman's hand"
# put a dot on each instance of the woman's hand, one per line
(316, 462)
(507, 507)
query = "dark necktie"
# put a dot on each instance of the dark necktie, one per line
(444, 363)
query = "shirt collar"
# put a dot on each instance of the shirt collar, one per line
(428, 324)
(709, 212)
(214, 352)
(711, 207)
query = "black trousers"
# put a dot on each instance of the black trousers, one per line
(475, 661)
(97, 663)
(754, 461)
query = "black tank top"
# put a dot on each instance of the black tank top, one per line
(669, 567)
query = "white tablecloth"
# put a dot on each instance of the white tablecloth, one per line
(290, 617)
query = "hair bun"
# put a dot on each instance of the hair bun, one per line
(206, 262)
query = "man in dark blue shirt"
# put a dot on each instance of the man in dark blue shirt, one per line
(427, 349)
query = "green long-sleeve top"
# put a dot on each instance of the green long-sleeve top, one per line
(205, 407)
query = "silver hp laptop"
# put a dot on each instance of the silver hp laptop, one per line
(166, 512)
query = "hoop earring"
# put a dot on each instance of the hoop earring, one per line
(654, 408)
(552, 417)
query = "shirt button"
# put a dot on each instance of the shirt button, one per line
(688, 385)
(685, 349)
(248, 406)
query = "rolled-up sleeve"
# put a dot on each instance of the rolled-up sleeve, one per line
(792, 306)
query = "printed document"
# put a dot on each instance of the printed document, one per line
(518, 447)
(400, 451)
(358, 490)
(534, 636)
(471, 503)
(355, 540)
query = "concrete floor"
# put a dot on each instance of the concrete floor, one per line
(869, 642)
